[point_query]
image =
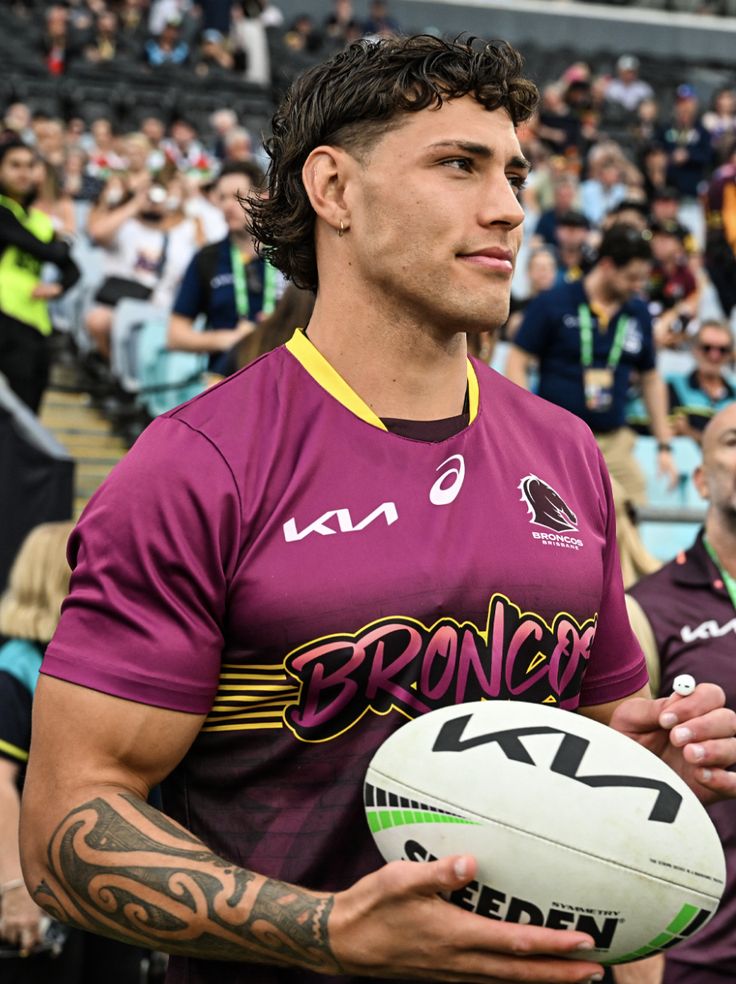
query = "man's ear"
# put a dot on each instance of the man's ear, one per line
(701, 482)
(324, 174)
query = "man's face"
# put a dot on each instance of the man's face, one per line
(627, 281)
(226, 194)
(713, 350)
(716, 477)
(665, 247)
(435, 221)
(17, 172)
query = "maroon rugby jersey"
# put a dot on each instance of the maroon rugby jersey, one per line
(310, 581)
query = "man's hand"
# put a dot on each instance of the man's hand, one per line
(649, 971)
(20, 919)
(694, 735)
(393, 923)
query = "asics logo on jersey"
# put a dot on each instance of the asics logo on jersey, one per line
(342, 522)
(546, 506)
(443, 492)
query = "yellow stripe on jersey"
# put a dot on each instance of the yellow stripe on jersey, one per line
(13, 751)
(329, 379)
(249, 697)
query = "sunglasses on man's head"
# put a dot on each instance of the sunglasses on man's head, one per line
(720, 349)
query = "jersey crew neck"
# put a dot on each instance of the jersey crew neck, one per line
(307, 581)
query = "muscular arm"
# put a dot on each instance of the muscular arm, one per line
(97, 856)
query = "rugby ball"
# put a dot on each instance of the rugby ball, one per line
(573, 825)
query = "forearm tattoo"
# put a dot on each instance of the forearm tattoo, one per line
(121, 868)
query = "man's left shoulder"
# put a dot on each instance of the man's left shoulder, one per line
(516, 406)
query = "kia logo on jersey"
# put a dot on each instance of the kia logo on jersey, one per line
(546, 507)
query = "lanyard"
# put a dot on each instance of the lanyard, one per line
(242, 303)
(586, 338)
(728, 580)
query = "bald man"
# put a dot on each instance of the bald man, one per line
(685, 618)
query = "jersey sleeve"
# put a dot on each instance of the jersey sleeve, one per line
(532, 333)
(189, 301)
(617, 667)
(151, 559)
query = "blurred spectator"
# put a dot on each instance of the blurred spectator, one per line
(565, 191)
(303, 35)
(132, 17)
(541, 274)
(645, 127)
(222, 122)
(630, 211)
(654, 162)
(50, 141)
(164, 12)
(574, 253)
(697, 396)
(226, 282)
(720, 233)
(340, 23)
(18, 119)
(27, 242)
(293, 310)
(380, 23)
(57, 47)
(52, 200)
(100, 145)
(558, 128)
(672, 290)
(216, 16)
(154, 130)
(627, 89)
(248, 36)
(138, 164)
(132, 228)
(184, 151)
(687, 143)
(605, 186)
(78, 182)
(238, 145)
(213, 58)
(168, 47)
(588, 337)
(105, 44)
(720, 122)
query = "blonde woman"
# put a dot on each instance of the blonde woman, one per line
(29, 612)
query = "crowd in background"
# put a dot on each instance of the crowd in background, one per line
(138, 204)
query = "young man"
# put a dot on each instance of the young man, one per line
(226, 281)
(303, 558)
(27, 241)
(685, 618)
(588, 336)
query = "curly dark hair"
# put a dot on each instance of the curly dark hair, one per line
(351, 101)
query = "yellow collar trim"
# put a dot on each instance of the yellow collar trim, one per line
(329, 379)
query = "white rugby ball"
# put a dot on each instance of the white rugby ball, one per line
(573, 825)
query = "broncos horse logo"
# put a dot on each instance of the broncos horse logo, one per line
(546, 507)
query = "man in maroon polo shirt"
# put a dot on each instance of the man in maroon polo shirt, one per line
(685, 618)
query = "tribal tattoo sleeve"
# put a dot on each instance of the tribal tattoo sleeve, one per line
(121, 868)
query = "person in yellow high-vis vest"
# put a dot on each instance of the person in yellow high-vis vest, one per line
(27, 242)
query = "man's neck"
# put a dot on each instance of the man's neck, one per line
(395, 363)
(720, 529)
(243, 242)
(710, 383)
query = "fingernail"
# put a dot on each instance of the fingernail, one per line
(706, 775)
(698, 751)
(682, 734)
(461, 867)
(585, 945)
(597, 977)
(668, 719)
